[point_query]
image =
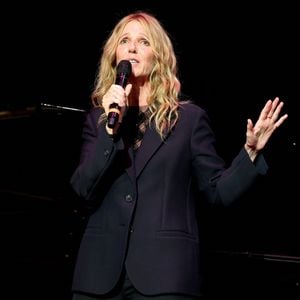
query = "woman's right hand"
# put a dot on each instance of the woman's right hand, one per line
(116, 94)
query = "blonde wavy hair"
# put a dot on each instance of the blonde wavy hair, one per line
(164, 85)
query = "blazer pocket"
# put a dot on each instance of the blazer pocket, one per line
(173, 234)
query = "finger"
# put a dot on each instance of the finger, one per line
(273, 107)
(249, 125)
(128, 89)
(118, 92)
(266, 110)
(281, 120)
(277, 111)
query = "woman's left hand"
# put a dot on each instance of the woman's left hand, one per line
(258, 135)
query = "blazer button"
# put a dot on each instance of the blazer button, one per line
(128, 198)
(106, 152)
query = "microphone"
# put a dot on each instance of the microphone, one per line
(123, 73)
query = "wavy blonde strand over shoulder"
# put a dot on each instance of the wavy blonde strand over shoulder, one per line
(164, 84)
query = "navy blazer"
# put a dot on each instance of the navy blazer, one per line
(145, 212)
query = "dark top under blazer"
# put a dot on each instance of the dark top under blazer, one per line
(145, 209)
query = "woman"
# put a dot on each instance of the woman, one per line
(142, 237)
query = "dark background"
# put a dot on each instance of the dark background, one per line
(232, 58)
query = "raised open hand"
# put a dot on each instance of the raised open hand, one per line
(258, 135)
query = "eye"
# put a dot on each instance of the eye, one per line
(145, 42)
(124, 41)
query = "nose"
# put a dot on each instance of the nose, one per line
(132, 47)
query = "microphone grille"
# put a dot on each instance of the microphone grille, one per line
(124, 67)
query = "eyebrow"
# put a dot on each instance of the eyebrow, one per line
(139, 35)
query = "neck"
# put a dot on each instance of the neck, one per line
(139, 95)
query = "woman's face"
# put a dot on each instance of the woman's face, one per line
(134, 46)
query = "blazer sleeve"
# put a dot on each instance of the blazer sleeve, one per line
(221, 184)
(97, 152)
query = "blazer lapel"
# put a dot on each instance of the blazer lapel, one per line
(150, 144)
(131, 169)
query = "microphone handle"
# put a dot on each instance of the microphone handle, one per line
(113, 115)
